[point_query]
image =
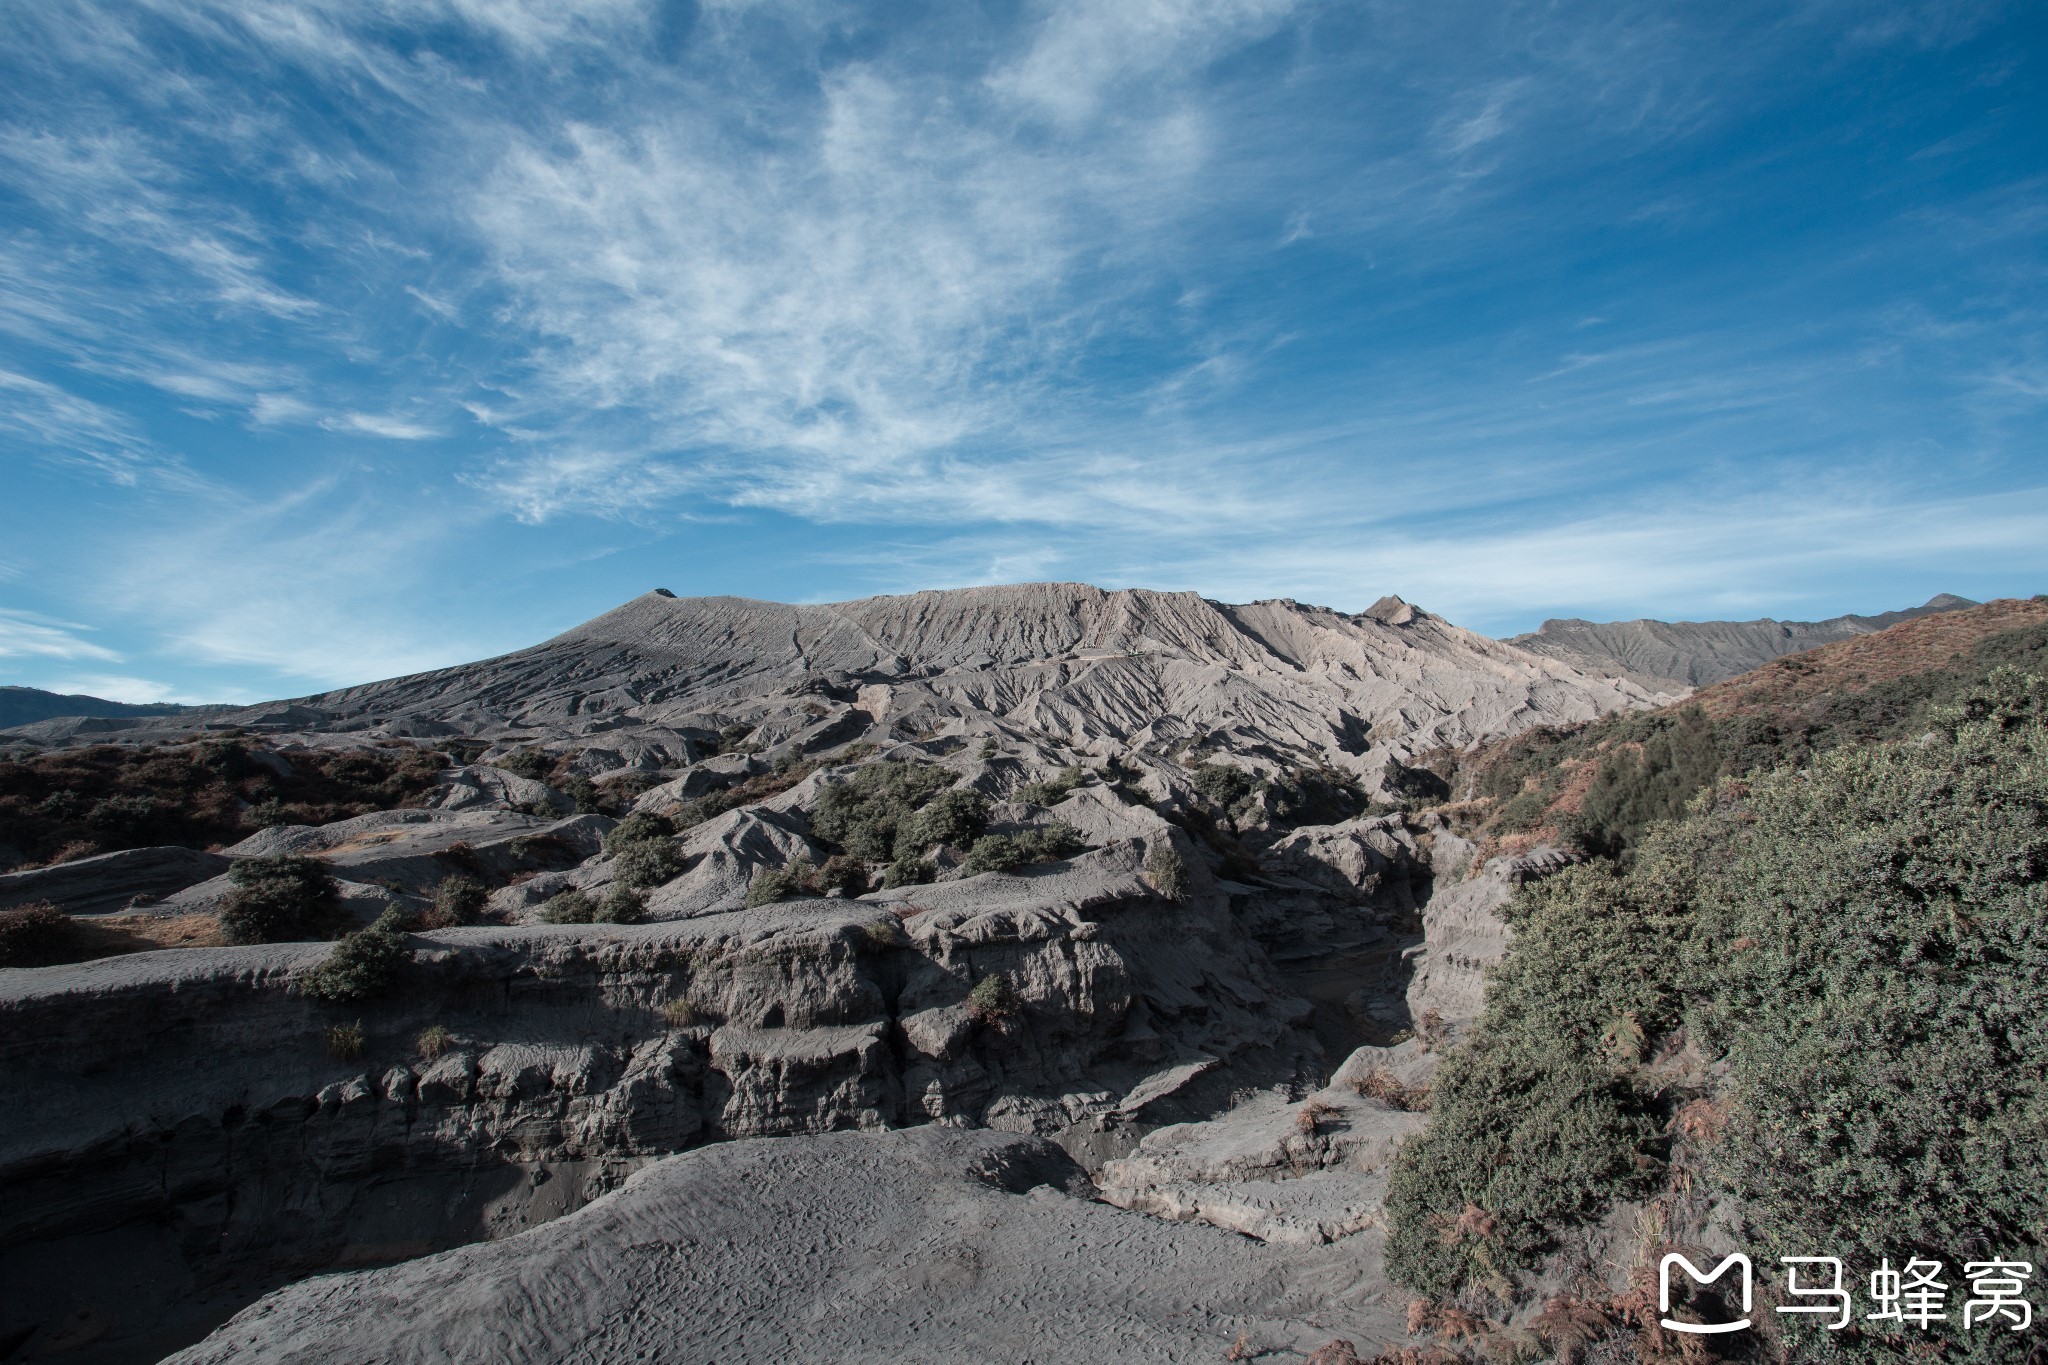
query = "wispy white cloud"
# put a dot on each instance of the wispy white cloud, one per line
(138, 691)
(28, 635)
(379, 424)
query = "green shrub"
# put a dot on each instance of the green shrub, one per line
(1166, 871)
(365, 963)
(994, 997)
(457, 900)
(649, 862)
(955, 818)
(585, 798)
(1225, 787)
(847, 876)
(34, 935)
(278, 899)
(532, 764)
(1054, 789)
(780, 883)
(640, 826)
(569, 907)
(909, 872)
(1041, 844)
(622, 904)
(862, 814)
(1856, 949)
(1317, 796)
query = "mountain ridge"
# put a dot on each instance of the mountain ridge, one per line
(1676, 656)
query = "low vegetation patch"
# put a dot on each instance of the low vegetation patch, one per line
(1852, 952)
(994, 997)
(621, 904)
(345, 1042)
(434, 1040)
(1166, 871)
(649, 862)
(1054, 789)
(457, 900)
(365, 963)
(1045, 843)
(211, 792)
(34, 935)
(868, 813)
(278, 900)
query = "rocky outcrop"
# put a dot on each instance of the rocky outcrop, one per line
(195, 1111)
(1286, 1170)
(1462, 935)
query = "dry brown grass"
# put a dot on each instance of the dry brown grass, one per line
(1389, 1090)
(1310, 1117)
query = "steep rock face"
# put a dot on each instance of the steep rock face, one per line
(1462, 935)
(1673, 657)
(189, 1119)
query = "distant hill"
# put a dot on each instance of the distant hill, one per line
(1676, 656)
(24, 705)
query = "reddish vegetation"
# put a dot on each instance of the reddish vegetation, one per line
(75, 802)
(1916, 646)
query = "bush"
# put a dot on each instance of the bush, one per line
(847, 876)
(532, 764)
(863, 814)
(1856, 951)
(994, 997)
(909, 872)
(678, 1013)
(1227, 788)
(955, 818)
(1165, 870)
(213, 792)
(569, 907)
(780, 883)
(649, 862)
(34, 935)
(1042, 844)
(622, 904)
(365, 963)
(1054, 789)
(457, 900)
(638, 827)
(276, 900)
(1317, 796)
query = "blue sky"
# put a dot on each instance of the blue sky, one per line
(344, 338)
